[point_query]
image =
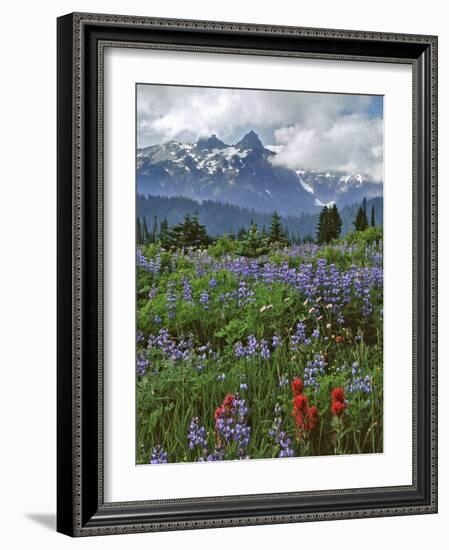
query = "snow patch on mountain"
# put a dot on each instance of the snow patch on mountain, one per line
(244, 174)
(305, 186)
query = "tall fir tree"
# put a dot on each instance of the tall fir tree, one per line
(155, 229)
(138, 231)
(335, 222)
(322, 227)
(329, 225)
(163, 233)
(361, 219)
(145, 236)
(276, 234)
(241, 234)
(189, 233)
(373, 217)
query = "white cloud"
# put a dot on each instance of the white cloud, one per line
(351, 144)
(315, 130)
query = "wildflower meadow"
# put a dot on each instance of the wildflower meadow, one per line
(252, 347)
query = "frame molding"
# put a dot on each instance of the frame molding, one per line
(81, 510)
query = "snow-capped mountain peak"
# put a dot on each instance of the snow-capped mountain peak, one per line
(243, 174)
(250, 141)
(210, 143)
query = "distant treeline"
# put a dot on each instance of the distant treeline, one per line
(219, 218)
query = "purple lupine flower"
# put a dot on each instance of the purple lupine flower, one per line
(239, 350)
(323, 282)
(276, 341)
(172, 349)
(204, 299)
(298, 337)
(218, 454)
(360, 382)
(171, 300)
(186, 290)
(213, 283)
(244, 294)
(197, 434)
(279, 436)
(158, 455)
(152, 293)
(252, 345)
(313, 371)
(141, 365)
(264, 350)
(231, 422)
(151, 265)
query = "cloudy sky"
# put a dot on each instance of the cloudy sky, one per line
(309, 130)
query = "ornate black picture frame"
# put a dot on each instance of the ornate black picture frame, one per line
(81, 510)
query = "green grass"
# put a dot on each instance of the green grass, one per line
(172, 392)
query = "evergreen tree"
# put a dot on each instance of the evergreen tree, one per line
(361, 221)
(322, 229)
(253, 245)
(163, 233)
(154, 229)
(276, 234)
(187, 233)
(335, 223)
(329, 225)
(241, 234)
(145, 239)
(138, 232)
(373, 217)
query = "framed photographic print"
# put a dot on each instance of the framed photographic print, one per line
(247, 274)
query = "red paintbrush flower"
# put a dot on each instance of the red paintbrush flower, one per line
(297, 386)
(338, 404)
(338, 394)
(306, 418)
(300, 403)
(228, 401)
(337, 408)
(312, 415)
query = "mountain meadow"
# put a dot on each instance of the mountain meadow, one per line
(259, 334)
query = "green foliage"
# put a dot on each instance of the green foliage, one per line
(223, 245)
(253, 244)
(220, 218)
(276, 235)
(172, 391)
(329, 225)
(145, 235)
(361, 219)
(139, 238)
(189, 233)
(369, 236)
